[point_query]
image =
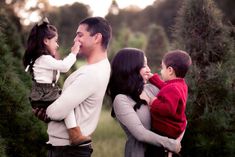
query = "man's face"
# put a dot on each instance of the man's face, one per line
(87, 41)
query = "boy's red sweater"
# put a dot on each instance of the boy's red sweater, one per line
(168, 110)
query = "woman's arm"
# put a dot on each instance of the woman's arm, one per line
(127, 116)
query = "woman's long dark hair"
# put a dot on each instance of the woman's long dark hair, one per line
(35, 44)
(125, 76)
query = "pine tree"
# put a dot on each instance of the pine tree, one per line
(211, 103)
(114, 8)
(157, 46)
(21, 134)
(126, 38)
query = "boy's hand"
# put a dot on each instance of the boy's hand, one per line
(76, 47)
(150, 75)
(152, 99)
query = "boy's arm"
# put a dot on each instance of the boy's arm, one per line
(156, 80)
(166, 102)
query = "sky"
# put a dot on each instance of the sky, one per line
(100, 7)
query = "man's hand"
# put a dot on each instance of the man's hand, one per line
(40, 113)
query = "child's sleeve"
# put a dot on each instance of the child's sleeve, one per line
(156, 80)
(62, 65)
(151, 90)
(166, 103)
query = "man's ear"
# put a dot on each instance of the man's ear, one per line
(98, 37)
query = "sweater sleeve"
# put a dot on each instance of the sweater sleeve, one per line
(151, 90)
(79, 90)
(156, 80)
(61, 65)
(127, 116)
(166, 103)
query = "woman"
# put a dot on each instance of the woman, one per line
(128, 77)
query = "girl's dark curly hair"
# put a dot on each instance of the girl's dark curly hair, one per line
(35, 44)
(125, 76)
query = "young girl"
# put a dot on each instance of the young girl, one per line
(39, 59)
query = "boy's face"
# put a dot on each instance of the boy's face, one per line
(166, 72)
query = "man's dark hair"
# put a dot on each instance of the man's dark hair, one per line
(179, 60)
(99, 25)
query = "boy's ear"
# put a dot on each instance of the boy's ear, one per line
(171, 70)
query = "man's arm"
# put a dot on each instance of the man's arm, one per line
(78, 91)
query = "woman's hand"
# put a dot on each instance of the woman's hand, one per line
(173, 146)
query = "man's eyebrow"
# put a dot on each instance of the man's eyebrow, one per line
(78, 33)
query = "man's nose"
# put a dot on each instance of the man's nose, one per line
(75, 39)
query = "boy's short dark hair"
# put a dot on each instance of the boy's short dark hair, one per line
(179, 60)
(99, 25)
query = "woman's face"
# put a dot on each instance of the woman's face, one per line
(145, 71)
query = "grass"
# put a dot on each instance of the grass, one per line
(108, 138)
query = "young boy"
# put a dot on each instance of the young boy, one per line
(168, 107)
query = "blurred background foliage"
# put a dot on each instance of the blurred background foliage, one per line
(203, 28)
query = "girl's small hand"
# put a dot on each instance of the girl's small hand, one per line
(40, 113)
(76, 47)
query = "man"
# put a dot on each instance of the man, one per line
(83, 90)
